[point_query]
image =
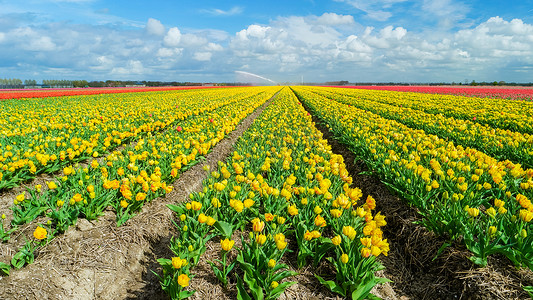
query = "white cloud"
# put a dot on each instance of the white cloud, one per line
(189, 40)
(102, 63)
(374, 8)
(133, 67)
(236, 10)
(43, 43)
(168, 52)
(155, 27)
(202, 56)
(254, 31)
(333, 19)
(321, 47)
(447, 12)
(213, 47)
(173, 37)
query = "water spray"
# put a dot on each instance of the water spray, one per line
(255, 75)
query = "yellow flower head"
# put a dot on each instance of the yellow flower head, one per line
(320, 221)
(227, 244)
(257, 225)
(336, 213)
(178, 262)
(316, 234)
(196, 205)
(473, 212)
(271, 263)
(492, 230)
(124, 203)
(21, 197)
(336, 240)
(269, 217)
(52, 185)
(526, 215)
(281, 244)
(349, 231)
(216, 203)
(370, 202)
(498, 203)
(40, 233)
(183, 280)
(491, 212)
(202, 218)
(308, 235)
(344, 258)
(366, 252)
(248, 203)
(260, 239)
(210, 221)
(292, 210)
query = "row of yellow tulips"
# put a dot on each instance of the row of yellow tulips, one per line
(497, 113)
(44, 135)
(281, 190)
(128, 178)
(499, 143)
(460, 192)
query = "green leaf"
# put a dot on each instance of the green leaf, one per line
(4, 268)
(225, 228)
(373, 297)
(164, 261)
(176, 208)
(529, 290)
(255, 289)
(479, 260)
(362, 290)
(241, 291)
(281, 275)
(274, 294)
(185, 294)
(441, 249)
(333, 286)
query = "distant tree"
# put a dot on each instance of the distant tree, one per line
(96, 84)
(30, 82)
(80, 83)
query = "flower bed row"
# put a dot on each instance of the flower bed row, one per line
(61, 92)
(460, 192)
(497, 113)
(282, 190)
(499, 143)
(44, 135)
(512, 93)
(127, 179)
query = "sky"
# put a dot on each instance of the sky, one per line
(287, 41)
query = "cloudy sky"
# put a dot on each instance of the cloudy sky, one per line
(283, 40)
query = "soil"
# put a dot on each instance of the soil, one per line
(97, 260)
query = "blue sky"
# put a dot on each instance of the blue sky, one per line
(354, 40)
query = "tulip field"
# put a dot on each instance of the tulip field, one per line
(513, 93)
(283, 203)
